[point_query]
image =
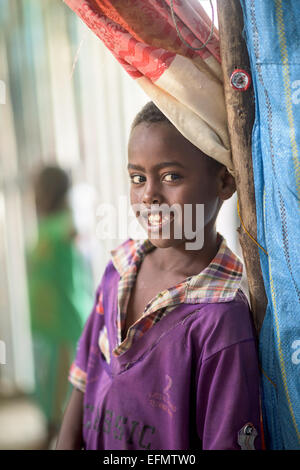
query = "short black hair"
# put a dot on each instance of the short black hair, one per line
(150, 113)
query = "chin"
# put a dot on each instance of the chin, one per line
(164, 242)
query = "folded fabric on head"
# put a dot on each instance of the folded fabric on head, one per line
(181, 73)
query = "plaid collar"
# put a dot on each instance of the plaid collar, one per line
(218, 282)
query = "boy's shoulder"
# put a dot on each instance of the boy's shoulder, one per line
(220, 281)
(217, 326)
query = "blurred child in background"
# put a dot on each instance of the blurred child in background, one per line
(60, 293)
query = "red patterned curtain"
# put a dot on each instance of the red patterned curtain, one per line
(170, 59)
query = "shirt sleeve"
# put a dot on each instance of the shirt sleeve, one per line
(228, 397)
(78, 370)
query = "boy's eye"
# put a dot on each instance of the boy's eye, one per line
(170, 177)
(137, 179)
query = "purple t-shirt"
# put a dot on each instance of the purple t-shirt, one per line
(190, 382)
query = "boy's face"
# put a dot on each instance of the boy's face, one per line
(166, 169)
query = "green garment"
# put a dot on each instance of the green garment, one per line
(61, 298)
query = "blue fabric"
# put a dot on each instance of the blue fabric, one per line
(272, 33)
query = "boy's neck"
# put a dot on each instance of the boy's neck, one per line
(187, 262)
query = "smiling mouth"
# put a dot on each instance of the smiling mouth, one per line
(158, 220)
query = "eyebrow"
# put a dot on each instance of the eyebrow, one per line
(159, 166)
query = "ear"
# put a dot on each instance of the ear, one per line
(227, 184)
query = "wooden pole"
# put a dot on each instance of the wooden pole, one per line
(240, 113)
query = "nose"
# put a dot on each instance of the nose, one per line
(151, 194)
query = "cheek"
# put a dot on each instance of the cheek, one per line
(192, 194)
(202, 194)
(204, 191)
(181, 194)
(135, 200)
(134, 196)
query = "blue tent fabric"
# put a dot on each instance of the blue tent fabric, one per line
(272, 33)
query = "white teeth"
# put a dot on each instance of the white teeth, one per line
(156, 219)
